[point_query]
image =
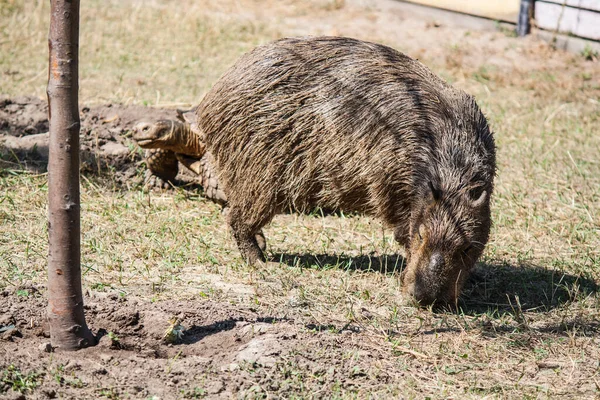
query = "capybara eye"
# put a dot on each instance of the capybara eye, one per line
(476, 193)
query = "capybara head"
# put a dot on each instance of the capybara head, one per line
(450, 221)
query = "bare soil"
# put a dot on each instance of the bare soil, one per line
(216, 357)
(232, 350)
(105, 143)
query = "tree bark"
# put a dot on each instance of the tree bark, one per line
(68, 330)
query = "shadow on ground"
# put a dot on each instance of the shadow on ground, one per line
(196, 333)
(493, 287)
(523, 288)
(385, 264)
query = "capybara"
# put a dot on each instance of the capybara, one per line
(345, 124)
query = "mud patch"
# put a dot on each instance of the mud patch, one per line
(106, 147)
(226, 350)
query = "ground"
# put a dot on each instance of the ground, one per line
(325, 317)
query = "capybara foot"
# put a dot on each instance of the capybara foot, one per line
(251, 251)
(261, 241)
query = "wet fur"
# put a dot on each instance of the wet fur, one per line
(341, 123)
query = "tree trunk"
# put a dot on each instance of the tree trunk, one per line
(68, 330)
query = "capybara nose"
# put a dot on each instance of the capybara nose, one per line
(421, 292)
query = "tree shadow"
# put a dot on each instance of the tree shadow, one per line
(196, 333)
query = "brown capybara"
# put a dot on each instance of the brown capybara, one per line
(341, 123)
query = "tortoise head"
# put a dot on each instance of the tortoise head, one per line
(160, 134)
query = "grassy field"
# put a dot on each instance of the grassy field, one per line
(529, 321)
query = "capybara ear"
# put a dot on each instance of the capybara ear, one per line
(478, 201)
(436, 194)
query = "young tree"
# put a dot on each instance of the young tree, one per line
(68, 329)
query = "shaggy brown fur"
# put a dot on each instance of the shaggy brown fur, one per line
(341, 123)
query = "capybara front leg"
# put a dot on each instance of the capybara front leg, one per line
(245, 237)
(259, 236)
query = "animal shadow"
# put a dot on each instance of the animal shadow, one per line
(502, 287)
(493, 286)
(385, 264)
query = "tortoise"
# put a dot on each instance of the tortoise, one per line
(170, 142)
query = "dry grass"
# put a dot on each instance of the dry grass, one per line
(528, 326)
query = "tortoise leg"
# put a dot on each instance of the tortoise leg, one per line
(205, 169)
(162, 168)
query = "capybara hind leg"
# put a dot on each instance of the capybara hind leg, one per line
(248, 246)
(245, 237)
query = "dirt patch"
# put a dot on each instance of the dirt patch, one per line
(105, 143)
(235, 350)
(22, 116)
(225, 350)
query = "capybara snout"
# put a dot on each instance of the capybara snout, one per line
(446, 239)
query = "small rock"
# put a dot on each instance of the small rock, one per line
(46, 347)
(260, 350)
(230, 367)
(149, 353)
(214, 387)
(41, 332)
(114, 149)
(72, 365)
